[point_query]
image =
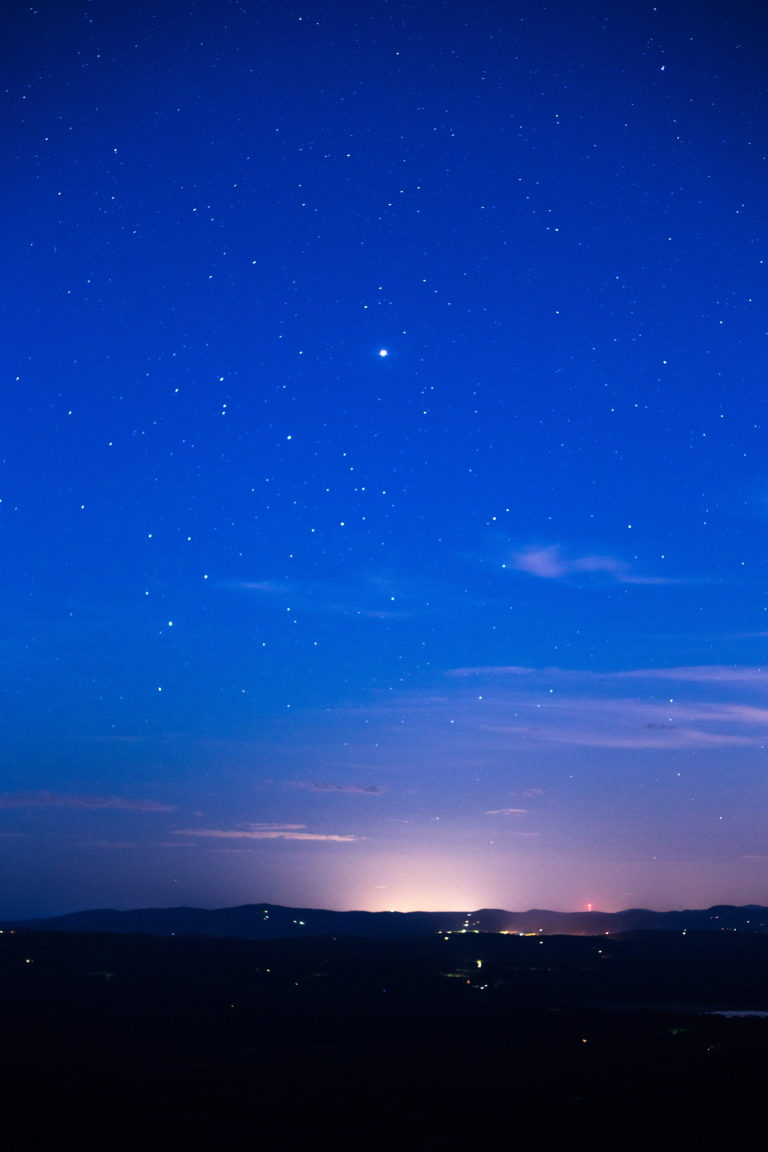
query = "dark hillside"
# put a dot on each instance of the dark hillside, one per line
(128, 1041)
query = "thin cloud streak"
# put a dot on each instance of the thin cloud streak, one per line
(271, 587)
(264, 832)
(43, 799)
(629, 723)
(669, 738)
(141, 845)
(352, 789)
(371, 598)
(693, 673)
(581, 708)
(701, 674)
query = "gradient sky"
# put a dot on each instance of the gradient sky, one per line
(384, 484)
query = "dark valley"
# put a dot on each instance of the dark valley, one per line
(435, 1041)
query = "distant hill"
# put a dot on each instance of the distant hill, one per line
(273, 921)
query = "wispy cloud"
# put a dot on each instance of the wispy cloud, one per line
(141, 845)
(263, 832)
(491, 710)
(660, 737)
(550, 562)
(271, 587)
(713, 674)
(701, 674)
(628, 723)
(371, 597)
(42, 799)
(322, 786)
(507, 812)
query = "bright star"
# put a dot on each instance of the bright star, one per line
(383, 352)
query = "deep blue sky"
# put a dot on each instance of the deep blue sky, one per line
(476, 622)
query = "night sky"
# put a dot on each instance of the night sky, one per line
(384, 485)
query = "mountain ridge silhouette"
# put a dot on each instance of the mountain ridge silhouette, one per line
(265, 921)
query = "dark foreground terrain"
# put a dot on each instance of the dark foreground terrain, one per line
(475, 1041)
